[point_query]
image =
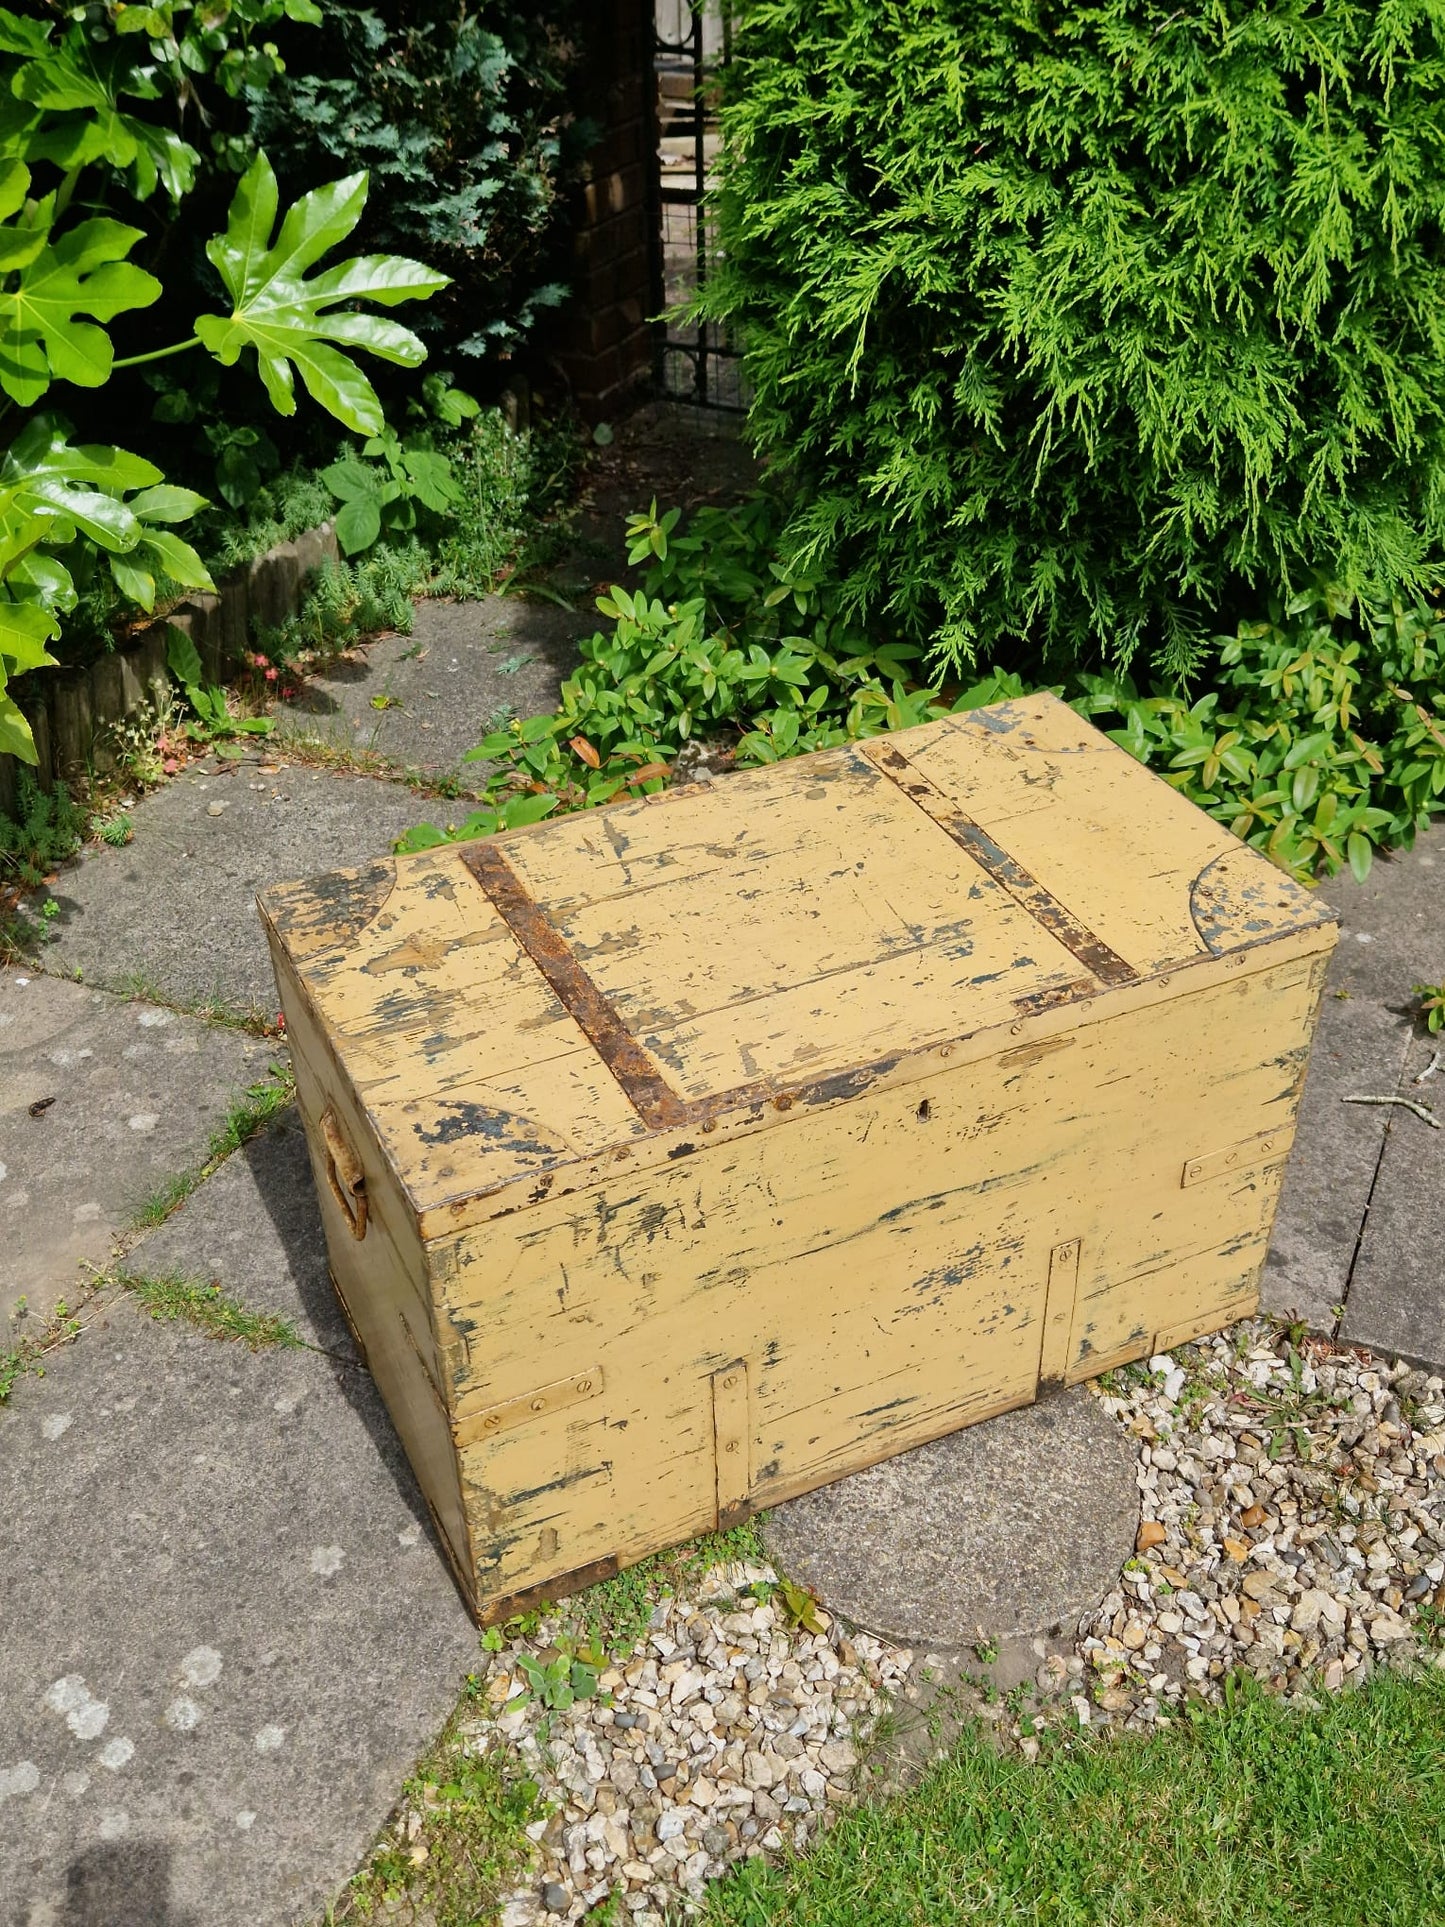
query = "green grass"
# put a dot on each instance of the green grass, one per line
(173, 1299)
(253, 1022)
(470, 1847)
(1250, 1815)
(612, 1615)
(248, 1115)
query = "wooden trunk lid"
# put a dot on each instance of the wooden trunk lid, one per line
(607, 983)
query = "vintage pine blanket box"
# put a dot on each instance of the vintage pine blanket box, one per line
(679, 1156)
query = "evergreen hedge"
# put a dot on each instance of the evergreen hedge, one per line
(1083, 328)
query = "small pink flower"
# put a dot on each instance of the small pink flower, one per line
(170, 766)
(271, 675)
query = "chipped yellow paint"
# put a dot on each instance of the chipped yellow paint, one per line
(470, 1424)
(799, 1118)
(1265, 1148)
(732, 1442)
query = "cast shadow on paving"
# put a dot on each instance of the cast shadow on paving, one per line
(255, 1228)
(120, 1881)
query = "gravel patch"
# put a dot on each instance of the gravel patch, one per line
(727, 1732)
(1292, 1525)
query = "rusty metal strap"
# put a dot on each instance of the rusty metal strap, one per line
(1102, 963)
(650, 1095)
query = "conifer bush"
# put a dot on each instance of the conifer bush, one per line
(1084, 327)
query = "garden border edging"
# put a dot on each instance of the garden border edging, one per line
(70, 709)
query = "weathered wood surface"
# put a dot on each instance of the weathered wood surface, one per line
(719, 1144)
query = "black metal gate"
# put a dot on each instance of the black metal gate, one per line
(696, 362)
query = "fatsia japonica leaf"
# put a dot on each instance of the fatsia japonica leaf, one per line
(74, 87)
(52, 492)
(42, 336)
(292, 322)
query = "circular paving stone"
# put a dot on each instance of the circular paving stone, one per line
(1013, 1526)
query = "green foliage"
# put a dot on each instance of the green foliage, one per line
(1431, 1006)
(612, 1616)
(557, 1682)
(502, 484)
(287, 319)
(720, 640)
(352, 599)
(281, 508)
(250, 1113)
(462, 119)
(88, 78)
(45, 829)
(468, 1812)
(214, 721)
(381, 489)
(68, 138)
(115, 831)
(1320, 738)
(24, 1357)
(1080, 325)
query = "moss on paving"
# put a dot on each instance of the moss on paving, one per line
(1248, 1813)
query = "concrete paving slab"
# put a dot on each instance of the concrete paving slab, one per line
(102, 1100)
(422, 701)
(1396, 1303)
(254, 1228)
(229, 1632)
(175, 909)
(1006, 1529)
(1391, 928)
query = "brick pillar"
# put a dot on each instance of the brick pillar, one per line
(604, 341)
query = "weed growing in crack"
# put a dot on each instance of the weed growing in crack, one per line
(172, 1299)
(248, 1115)
(458, 1839)
(25, 1356)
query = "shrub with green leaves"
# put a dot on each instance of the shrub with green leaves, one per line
(45, 829)
(1086, 326)
(1320, 739)
(461, 116)
(721, 642)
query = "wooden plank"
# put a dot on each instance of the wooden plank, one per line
(732, 1443)
(1083, 818)
(487, 1421)
(1265, 1147)
(1055, 1350)
(381, 1280)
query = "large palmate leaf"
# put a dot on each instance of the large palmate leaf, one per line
(66, 108)
(81, 272)
(292, 322)
(52, 494)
